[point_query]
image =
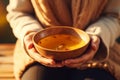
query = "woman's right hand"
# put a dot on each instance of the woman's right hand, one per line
(35, 55)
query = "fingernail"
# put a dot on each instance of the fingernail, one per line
(94, 46)
(67, 62)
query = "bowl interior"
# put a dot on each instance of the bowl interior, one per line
(61, 39)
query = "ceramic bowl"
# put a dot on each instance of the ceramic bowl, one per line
(61, 42)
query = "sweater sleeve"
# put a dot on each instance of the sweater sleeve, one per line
(22, 18)
(107, 28)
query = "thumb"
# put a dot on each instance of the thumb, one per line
(95, 41)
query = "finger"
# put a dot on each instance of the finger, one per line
(32, 52)
(74, 65)
(43, 60)
(83, 67)
(84, 58)
(79, 65)
(28, 40)
(95, 41)
(39, 58)
(35, 55)
(55, 65)
(29, 45)
(88, 55)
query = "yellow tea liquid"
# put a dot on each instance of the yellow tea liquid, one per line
(61, 42)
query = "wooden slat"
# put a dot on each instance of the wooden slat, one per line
(6, 49)
(6, 59)
(7, 45)
(6, 68)
(7, 78)
(7, 75)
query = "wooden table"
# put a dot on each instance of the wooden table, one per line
(6, 61)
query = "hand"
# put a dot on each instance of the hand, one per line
(35, 55)
(88, 56)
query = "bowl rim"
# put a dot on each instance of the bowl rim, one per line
(47, 49)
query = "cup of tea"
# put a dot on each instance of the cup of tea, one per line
(61, 42)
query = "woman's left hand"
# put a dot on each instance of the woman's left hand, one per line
(88, 56)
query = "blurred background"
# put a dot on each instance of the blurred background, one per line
(6, 35)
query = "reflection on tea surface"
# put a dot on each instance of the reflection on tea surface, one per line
(61, 42)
